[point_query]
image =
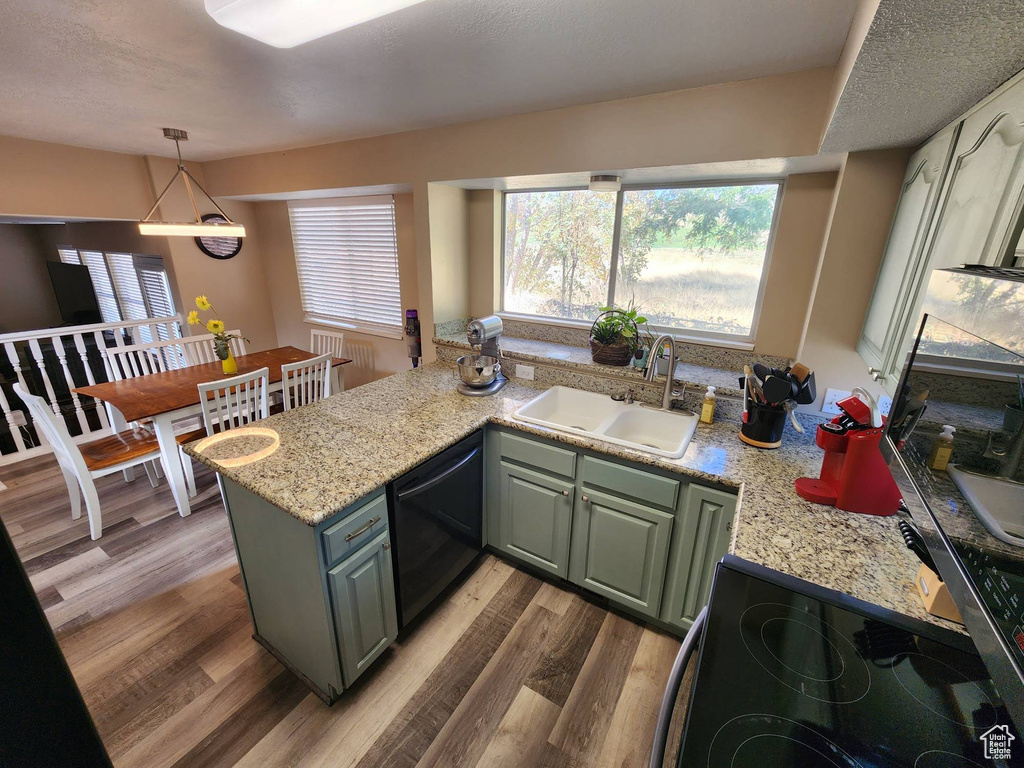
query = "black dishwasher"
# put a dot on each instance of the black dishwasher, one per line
(436, 515)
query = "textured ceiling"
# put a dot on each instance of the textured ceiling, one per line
(923, 64)
(110, 73)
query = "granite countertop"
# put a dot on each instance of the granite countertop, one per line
(690, 375)
(337, 451)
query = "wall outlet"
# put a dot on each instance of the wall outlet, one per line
(524, 372)
(884, 405)
(832, 396)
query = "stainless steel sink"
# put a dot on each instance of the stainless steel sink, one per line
(998, 503)
(664, 433)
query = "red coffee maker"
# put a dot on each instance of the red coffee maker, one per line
(854, 475)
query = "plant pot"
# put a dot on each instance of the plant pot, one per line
(229, 365)
(1013, 418)
(611, 354)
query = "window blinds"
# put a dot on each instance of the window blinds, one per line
(155, 289)
(127, 286)
(347, 259)
(102, 286)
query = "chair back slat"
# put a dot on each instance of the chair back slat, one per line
(234, 402)
(133, 360)
(199, 349)
(306, 381)
(321, 342)
(53, 429)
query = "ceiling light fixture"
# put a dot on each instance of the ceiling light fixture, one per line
(605, 183)
(197, 228)
(288, 23)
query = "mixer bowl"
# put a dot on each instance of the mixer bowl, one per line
(478, 370)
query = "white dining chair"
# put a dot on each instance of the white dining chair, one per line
(154, 357)
(234, 402)
(199, 349)
(306, 381)
(322, 342)
(82, 464)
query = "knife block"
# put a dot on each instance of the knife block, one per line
(935, 595)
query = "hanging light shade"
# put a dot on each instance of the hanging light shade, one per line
(197, 228)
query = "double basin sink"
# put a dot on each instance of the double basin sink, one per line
(997, 502)
(663, 433)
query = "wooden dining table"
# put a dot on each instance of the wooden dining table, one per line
(173, 395)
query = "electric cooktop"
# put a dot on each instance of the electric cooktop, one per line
(792, 674)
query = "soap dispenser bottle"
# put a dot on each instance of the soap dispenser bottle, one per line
(707, 411)
(942, 451)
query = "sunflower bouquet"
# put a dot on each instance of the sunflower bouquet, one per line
(221, 339)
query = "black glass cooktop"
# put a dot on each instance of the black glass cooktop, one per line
(791, 674)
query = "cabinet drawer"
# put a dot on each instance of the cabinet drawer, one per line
(651, 489)
(546, 458)
(355, 530)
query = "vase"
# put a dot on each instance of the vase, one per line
(229, 365)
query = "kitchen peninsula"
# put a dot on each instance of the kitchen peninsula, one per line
(322, 479)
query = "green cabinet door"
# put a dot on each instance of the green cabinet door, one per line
(536, 517)
(700, 541)
(363, 597)
(620, 550)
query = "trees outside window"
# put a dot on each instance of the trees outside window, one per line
(692, 257)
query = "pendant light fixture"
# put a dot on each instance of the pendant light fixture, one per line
(197, 228)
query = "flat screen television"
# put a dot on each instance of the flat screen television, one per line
(76, 299)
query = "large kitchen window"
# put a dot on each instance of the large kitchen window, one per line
(693, 258)
(128, 286)
(347, 256)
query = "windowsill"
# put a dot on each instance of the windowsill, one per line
(708, 341)
(692, 376)
(341, 325)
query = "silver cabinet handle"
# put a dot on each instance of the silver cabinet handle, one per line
(387, 545)
(565, 493)
(584, 498)
(876, 374)
(364, 529)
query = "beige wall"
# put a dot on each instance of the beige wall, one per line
(862, 209)
(484, 251)
(803, 218)
(27, 300)
(42, 179)
(373, 356)
(449, 251)
(236, 287)
(822, 288)
(763, 118)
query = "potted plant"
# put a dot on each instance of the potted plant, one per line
(221, 338)
(615, 335)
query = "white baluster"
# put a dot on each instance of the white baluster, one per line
(5, 406)
(58, 348)
(83, 353)
(37, 354)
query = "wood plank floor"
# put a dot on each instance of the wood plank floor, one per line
(509, 671)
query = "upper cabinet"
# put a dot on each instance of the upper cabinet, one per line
(914, 211)
(960, 204)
